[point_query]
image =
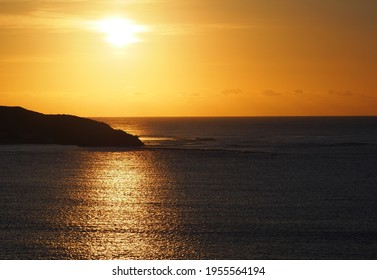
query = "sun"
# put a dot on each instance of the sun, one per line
(120, 31)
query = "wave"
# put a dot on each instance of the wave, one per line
(349, 144)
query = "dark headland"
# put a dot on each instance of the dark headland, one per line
(21, 126)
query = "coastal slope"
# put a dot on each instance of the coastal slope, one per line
(21, 126)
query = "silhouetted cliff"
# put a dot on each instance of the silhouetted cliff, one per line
(21, 126)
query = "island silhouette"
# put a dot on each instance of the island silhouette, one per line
(21, 126)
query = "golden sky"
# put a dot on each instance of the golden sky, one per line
(189, 58)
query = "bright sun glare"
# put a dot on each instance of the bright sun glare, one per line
(119, 31)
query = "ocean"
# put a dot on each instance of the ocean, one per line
(201, 188)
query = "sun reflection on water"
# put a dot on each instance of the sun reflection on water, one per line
(124, 208)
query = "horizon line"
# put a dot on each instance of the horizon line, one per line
(249, 116)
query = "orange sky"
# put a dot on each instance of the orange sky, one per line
(190, 58)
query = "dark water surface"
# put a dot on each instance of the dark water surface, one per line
(203, 188)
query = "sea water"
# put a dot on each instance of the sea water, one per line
(201, 188)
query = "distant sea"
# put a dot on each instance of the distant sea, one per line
(201, 188)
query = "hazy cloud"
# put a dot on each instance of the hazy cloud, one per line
(235, 91)
(341, 93)
(21, 7)
(47, 14)
(18, 7)
(44, 20)
(271, 93)
(178, 29)
(190, 94)
(26, 59)
(298, 92)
